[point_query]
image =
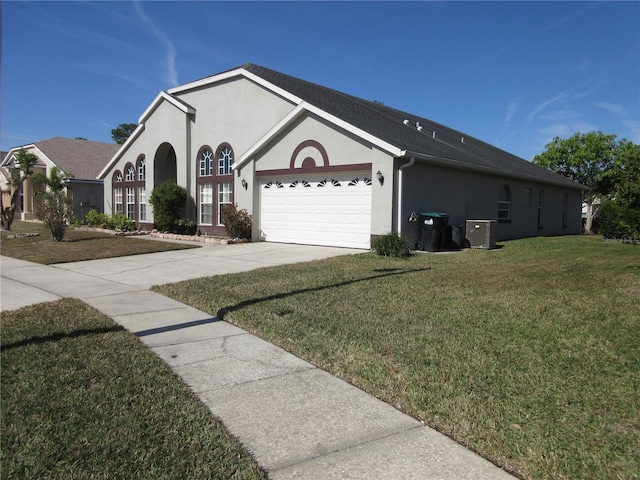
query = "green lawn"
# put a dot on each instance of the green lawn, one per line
(83, 399)
(528, 354)
(78, 245)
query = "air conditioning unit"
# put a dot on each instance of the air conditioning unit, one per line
(481, 233)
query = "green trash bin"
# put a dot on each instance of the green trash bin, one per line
(433, 227)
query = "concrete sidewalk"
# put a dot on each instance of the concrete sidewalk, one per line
(297, 420)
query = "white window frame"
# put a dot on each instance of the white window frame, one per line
(225, 160)
(142, 170)
(117, 200)
(225, 197)
(130, 194)
(131, 174)
(205, 203)
(142, 203)
(206, 163)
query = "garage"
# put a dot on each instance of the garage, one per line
(333, 210)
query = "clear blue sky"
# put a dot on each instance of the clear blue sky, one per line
(514, 74)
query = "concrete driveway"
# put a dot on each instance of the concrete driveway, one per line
(25, 283)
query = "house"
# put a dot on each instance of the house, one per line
(80, 160)
(316, 166)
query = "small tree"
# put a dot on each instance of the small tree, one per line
(168, 201)
(25, 162)
(122, 132)
(53, 203)
(237, 222)
(584, 158)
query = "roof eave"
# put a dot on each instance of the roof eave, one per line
(125, 146)
(446, 162)
(164, 96)
(238, 72)
(302, 108)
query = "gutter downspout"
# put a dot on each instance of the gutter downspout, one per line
(402, 167)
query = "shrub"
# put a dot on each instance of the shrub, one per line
(186, 227)
(53, 208)
(617, 221)
(237, 222)
(392, 245)
(168, 201)
(96, 219)
(120, 221)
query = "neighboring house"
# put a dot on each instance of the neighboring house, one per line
(316, 166)
(80, 160)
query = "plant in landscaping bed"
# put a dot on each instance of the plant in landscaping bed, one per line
(53, 203)
(186, 226)
(97, 219)
(168, 201)
(237, 222)
(392, 245)
(120, 221)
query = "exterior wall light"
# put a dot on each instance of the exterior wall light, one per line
(244, 184)
(380, 177)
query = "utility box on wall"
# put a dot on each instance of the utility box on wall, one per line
(481, 233)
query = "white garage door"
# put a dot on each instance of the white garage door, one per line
(330, 210)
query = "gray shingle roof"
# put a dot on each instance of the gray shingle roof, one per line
(81, 158)
(388, 124)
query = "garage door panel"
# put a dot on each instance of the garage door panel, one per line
(320, 211)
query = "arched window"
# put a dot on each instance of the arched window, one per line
(504, 204)
(224, 188)
(225, 160)
(206, 162)
(142, 168)
(140, 188)
(130, 173)
(118, 205)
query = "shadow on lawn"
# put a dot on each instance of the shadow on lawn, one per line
(60, 336)
(384, 272)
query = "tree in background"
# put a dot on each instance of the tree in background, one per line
(122, 132)
(585, 158)
(53, 202)
(168, 201)
(25, 162)
(620, 214)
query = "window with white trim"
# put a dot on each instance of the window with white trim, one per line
(142, 204)
(504, 204)
(142, 169)
(206, 163)
(117, 199)
(225, 160)
(225, 196)
(205, 203)
(131, 203)
(131, 174)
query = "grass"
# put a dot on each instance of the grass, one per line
(78, 245)
(82, 398)
(528, 354)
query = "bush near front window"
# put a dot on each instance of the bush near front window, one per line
(168, 202)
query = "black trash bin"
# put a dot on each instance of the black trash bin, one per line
(454, 237)
(433, 228)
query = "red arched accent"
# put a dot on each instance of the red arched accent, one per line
(312, 144)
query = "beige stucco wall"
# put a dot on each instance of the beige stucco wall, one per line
(237, 112)
(343, 149)
(472, 195)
